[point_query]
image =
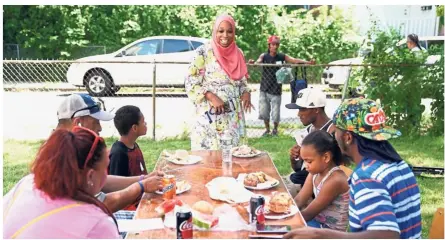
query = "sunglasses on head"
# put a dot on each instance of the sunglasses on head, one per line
(93, 148)
(97, 106)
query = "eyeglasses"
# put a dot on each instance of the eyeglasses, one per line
(93, 148)
(97, 106)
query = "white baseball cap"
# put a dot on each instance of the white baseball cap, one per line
(78, 105)
(309, 98)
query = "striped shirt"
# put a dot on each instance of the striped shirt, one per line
(384, 197)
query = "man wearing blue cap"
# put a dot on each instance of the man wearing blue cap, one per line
(83, 110)
(118, 192)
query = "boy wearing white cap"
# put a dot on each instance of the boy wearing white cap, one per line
(310, 104)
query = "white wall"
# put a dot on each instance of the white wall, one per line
(410, 18)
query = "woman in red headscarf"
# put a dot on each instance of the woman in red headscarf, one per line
(216, 84)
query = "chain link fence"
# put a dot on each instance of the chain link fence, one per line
(166, 108)
(16, 51)
(132, 82)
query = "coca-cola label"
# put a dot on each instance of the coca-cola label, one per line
(186, 229)
(259, 212)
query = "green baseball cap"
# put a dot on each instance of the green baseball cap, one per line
(364, 117)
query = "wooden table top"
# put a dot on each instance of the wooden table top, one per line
(198, 175)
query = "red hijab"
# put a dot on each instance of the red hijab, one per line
(230, 58)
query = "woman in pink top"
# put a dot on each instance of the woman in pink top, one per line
(57, 199)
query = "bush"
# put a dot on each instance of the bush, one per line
(401, 88)
(322, 38)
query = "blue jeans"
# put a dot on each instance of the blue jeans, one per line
(313, 223)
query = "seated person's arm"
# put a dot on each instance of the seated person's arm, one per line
(332, 187)
(305, 193)
(117, 183)
(116, 201)
(319, 233)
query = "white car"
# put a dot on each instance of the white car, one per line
(336, 77)
(123, 68)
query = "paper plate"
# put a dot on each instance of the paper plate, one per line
(277, 216)
(192, 160)
(254, 154)
(229, 190)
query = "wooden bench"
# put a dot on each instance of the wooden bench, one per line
(436, 230)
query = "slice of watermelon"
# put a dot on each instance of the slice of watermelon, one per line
(204, 221)
(167, 206)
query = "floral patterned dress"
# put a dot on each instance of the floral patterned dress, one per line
(205, 74)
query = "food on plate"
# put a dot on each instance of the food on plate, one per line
(280, 203)
(182, 155)
(203, 207)
(167, 206)
(253, 179)
(178, 155)
(182, 186)
(244, 150)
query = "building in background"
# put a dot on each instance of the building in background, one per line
(419, 19)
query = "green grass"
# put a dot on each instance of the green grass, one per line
(420, 151)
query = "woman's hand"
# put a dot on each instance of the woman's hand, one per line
(152, 184)
(245, 101)
(216, 102)
(154, 173)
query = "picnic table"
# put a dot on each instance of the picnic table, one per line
(198, 175)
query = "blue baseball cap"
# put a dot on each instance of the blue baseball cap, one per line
(78, 105)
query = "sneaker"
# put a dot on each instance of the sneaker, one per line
(265, 134)
(275, 132)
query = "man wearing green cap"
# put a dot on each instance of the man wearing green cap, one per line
(384, 195)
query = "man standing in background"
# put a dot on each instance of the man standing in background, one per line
(270, 89)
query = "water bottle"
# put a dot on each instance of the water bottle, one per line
(227, 169)
(226, 146)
